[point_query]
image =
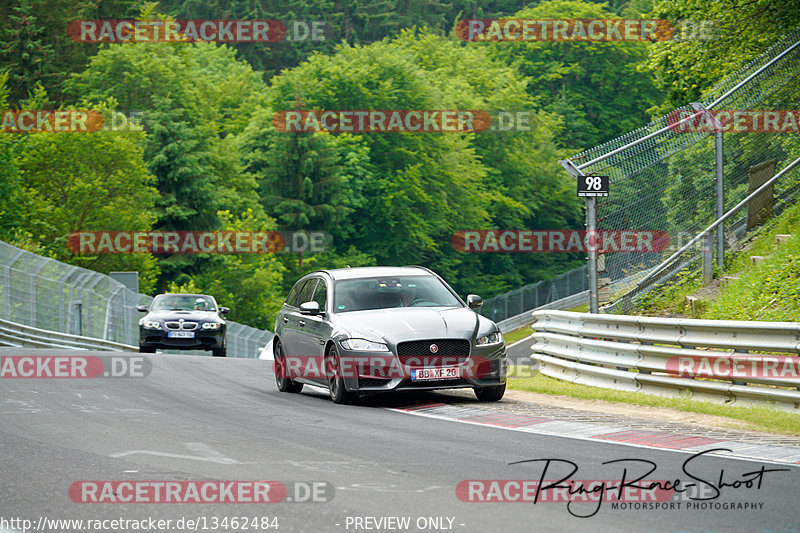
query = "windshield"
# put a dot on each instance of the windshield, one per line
(174, 302)
(396, 291)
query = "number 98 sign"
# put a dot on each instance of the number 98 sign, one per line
(592, 186)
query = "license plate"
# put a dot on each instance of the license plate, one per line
(424, 374)
(181, 334)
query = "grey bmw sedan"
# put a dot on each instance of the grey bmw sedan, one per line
(359, 331)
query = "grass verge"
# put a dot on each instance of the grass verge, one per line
(763, 419)
(520, 333)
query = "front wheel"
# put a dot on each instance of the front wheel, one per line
(490, 394)
(335, 380)
(219, 352)
(282, 372)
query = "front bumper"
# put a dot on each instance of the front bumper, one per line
(373, 372)
(204, 339)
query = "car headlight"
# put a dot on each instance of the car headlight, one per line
(149, 324)
(491, 338)
(211, 325)
(364, 345)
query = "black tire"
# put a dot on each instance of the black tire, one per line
(490, 394)
(147, 349)
(335, 381)
(281, 373)
(219, 352)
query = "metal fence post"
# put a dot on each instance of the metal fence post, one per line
(708, 262)
(719, 184)
(591, 228)
(719, 195)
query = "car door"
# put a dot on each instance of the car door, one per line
(288, 318)
(314, 332)
(296, 325)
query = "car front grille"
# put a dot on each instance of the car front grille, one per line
(181, 325)
(448, 352)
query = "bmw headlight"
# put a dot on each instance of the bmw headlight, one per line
(149, 324)
(364, 345)
(211, 325)
(492, 338)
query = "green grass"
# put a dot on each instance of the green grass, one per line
(769, 290)
(520, 333)
(670, 298)
(764, 419)
(580, 309)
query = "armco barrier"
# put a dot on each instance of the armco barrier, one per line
(631, 353)
(19, 335)
(45, 303)
(244, 341)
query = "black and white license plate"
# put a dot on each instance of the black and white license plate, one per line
(181, 334)
(425, 374)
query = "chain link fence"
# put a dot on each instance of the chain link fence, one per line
(664, 175)
(535, 295)
(47, 294)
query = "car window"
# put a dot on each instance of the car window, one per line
(395, 291)
(321, 294)
(306, 292)
(293, 294)
(182, 302)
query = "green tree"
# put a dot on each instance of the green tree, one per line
(74, 182)
(426, 186)
(195, 99)
(23, 51)
(736, 30)
(594, 85)
(250, 284)
(39, 29)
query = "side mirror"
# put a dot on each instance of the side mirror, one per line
(309, 308)
(142, 308)
(474, 301)
(224, 310)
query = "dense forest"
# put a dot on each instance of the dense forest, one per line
(204, 153)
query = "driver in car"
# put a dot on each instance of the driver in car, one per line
(407, 294)
(200, 305)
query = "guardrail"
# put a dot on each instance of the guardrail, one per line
(19, 335)
(243, 341)
(707, 360)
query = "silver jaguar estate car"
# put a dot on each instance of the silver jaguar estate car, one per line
(359, 331)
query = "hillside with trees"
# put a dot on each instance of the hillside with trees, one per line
(206, 155)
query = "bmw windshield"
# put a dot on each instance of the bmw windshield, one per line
(182, 303)
(391, 292)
